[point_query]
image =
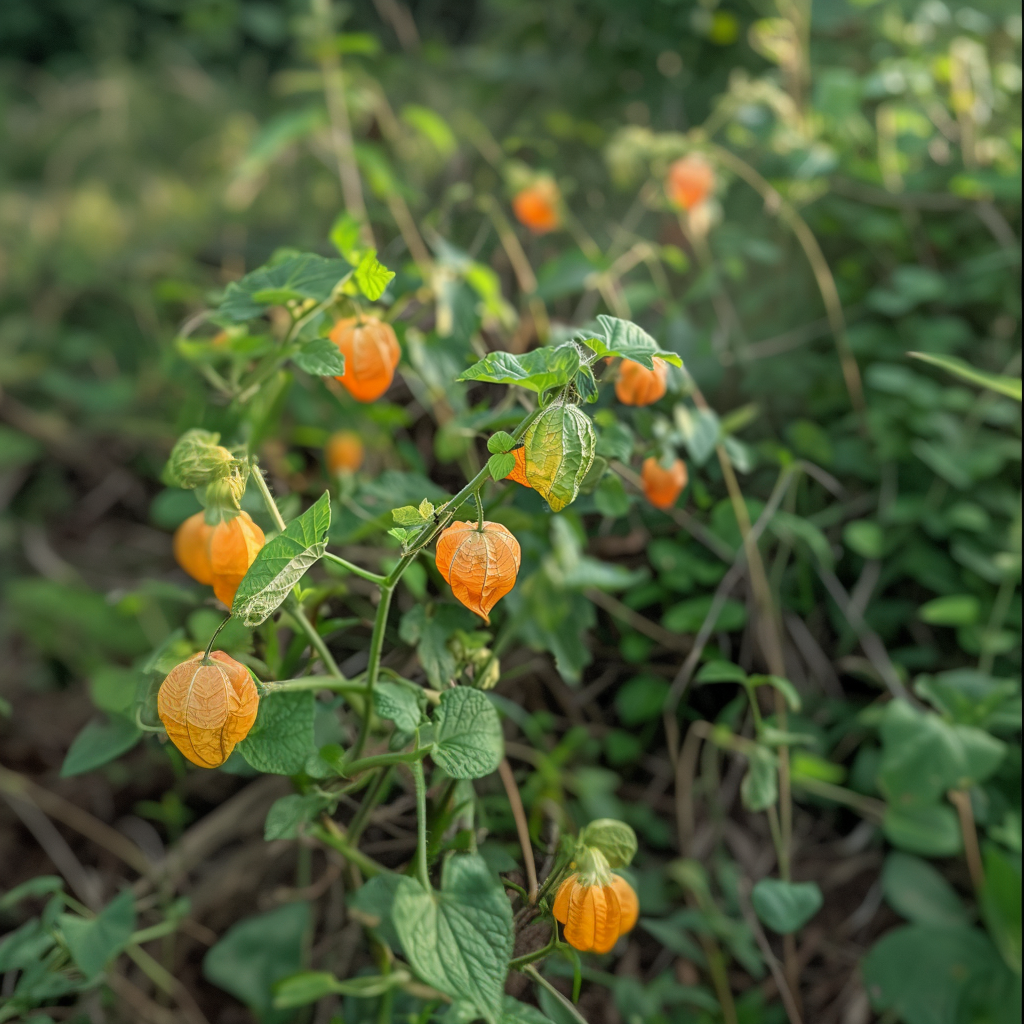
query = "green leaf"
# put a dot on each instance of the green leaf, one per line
(793, 528)
(408, 515)
(345, 235)
(913, 888)
(617, 337)
(373, 903)
(921, 973)
(400, 704)
(41, 885)
(430, 630)
(924, 756)
(931, 830)
(688, 616)
(281, 563)
(720, 672)
(25, 947)
(372, 276)
(701, 431)
(586, 384)
(759, 789)
(615, 441)
(290, 812)
(305, 276)
(785, 907)
(641, 699)
(951, 610)
(865, 538)
(320, 358)
(94, 943)
(1001, 905)
(512, 1012)
(610, 496)
(784, 686)
(500, 443)
(499, 466)
(538, 370)
(429, 124)
(560, 445)
(309, 986)
(468, 743)
(1009, 386)
(256, 953)
(98, 743)
(615, 839)
(281, 738)
(459, 940)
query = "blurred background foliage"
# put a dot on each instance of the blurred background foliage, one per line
(151, 151)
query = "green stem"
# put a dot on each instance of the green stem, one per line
(515, 888)
(449, 508)
(363, 764)
(521, 961)
(867, 806)
(156, 931)
(422, 871)
(338, 685)
(373, 665)
(354, 569)
(995, 620)
(535, 975)
(268, 499)
(370, 800)
(316, 640)
(216, 633)
(334, 838)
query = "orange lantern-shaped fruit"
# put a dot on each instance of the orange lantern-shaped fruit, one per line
(192, 548)
(536, 206)
(663, 486)
(479, 563)
(208, 708)
(371, 353)
(344, 452)
(636, 385)
(690, 181)
(234, 545)
(518, 472)
(596, 907)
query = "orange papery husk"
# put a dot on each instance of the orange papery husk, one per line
(636, 385)
(536, 207)
(207, 709)
(344, 451)
(192, 548)
(234, 545)
(518, 472)
(663, 486)
(595, 916)
(479, 565)
(371, 352)
(690, 180)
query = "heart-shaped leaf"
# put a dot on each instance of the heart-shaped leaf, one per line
(459, 940)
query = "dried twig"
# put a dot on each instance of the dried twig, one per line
(522, 828)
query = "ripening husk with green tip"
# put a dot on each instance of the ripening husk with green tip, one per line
(560, 446)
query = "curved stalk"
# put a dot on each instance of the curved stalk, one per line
(354, 569)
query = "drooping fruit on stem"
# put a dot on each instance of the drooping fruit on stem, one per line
(480, 563)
